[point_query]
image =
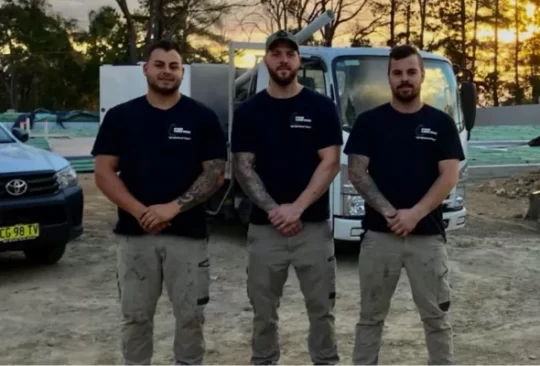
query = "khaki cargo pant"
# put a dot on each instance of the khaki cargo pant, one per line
(424, 258)
(144, 264)
(311, 253)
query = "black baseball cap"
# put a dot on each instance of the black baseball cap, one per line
(281, 35)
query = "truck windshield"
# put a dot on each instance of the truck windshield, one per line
(362, 83)
(4, 137)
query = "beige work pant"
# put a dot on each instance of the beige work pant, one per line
(144, 264)
(311, 254)
(424, 258)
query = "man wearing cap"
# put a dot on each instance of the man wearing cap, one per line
(286, 144)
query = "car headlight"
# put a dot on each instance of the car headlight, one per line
(67, 177)
(352, 204)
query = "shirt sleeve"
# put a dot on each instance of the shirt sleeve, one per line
(449, 142)
(108, 140)
(328, 126)
(243, 135)
(214, 142)
(360, 141)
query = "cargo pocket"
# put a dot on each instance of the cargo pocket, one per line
(331, 268)
(443, 296)
(203, 282)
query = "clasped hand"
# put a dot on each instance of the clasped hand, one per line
(402, 222)
(286, 219)
(157, 217)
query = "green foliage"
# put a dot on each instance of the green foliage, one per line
(49, 62)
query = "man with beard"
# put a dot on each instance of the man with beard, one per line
(170, 151)
(404, 159)
(286, 144)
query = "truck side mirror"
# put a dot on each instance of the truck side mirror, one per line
(20, 134)
(468, 103)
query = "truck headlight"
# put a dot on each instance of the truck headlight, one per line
(458, 198)
(352, 204)
(67, 177)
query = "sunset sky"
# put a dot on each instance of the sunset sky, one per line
(79, 10)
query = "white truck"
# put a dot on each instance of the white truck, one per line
(355, 79)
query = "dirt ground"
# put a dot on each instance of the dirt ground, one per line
(69, 314)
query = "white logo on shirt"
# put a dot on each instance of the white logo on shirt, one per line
(300, 122)
(426, 133)
(179, 133)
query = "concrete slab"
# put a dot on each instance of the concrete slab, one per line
(75, 146)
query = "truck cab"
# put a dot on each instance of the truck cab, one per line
(356, 80)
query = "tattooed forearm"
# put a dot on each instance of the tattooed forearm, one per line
(365, 185)
(250, 181)
(205, 186)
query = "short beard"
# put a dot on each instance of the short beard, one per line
(406, 99)
(279, 80)
(164, 91)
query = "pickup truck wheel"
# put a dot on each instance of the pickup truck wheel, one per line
(46, 254)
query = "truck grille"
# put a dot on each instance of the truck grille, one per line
(41, 184)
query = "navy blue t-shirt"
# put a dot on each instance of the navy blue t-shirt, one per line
(160, 156)
(286, 135)
(404, 151)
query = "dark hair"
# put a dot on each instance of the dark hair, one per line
(162, 44)
(404, 51)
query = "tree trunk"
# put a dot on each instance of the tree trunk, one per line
(132, 34)
(408, 29)
(392, 40)
(516, 54)
(423, 6)
(495, 56)
(475, 35)
(463, 19)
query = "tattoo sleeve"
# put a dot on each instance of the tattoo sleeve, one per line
(205, 186)
(365, 185)
(250, 181)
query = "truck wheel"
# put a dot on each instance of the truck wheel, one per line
(46, 254)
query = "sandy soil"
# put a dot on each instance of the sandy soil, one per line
(68, 313)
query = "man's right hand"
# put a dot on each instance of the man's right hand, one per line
(139, 213)
(285, 229)
(292, 229)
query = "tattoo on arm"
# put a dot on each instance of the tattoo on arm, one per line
(365, 185)
(250, 181)
(205, 186)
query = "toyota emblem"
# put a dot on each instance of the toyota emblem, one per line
(16, 187)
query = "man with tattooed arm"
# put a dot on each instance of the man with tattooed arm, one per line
(404, 159)
(170, 152)
(286, 144)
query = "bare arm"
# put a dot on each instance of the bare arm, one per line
(112, 186)
(250, 181)
(366, 187)
(322, 177)
(205, 186)
(448, 178)
(159, 216)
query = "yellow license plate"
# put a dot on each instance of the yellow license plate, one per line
(19, 232)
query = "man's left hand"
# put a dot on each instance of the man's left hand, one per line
(404, 222)
(284, 215)
(158, 215)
